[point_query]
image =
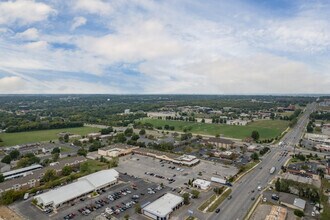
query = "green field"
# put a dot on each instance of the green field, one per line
(266, 128)
(10, 139)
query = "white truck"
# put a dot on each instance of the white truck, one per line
(272, 170)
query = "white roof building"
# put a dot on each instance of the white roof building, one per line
(299, 203)
(188, 160)
(83, 186)
(102, 178)
(202, 184)
(163, 207)
(64, 194)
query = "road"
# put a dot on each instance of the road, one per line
(242, 194)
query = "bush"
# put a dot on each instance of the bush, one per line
(11, 196)
(299, 213)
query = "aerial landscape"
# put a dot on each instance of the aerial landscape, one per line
(165, 110)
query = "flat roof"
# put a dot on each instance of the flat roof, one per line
(164, 205)
(299, 203)
(32, 167)
(101, 178)
(202, 182)
(65, 193)
(74, 190)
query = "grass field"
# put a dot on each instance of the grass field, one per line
(10, 139)
(266, 128)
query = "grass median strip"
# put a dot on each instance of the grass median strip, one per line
(207, 202)
(219, 200)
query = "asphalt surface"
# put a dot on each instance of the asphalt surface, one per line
(242, 194)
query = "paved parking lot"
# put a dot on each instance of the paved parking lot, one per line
(26, 209)
(137, 165)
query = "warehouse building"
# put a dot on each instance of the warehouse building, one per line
(85, 185)
(162, 208)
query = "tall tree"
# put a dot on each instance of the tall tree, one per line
(255, 135)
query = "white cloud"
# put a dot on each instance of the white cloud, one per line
(143, 40)
(37, 45)
(24, 12)
(11, 84)
(93, 6)
(174, 49)
(29, 34)
(77, 22)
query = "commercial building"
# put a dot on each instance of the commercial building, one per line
(116, 150)
(85, 185)
(201, 184)
(187, 160)
(318, 138)
(306, 169)
(162, 208)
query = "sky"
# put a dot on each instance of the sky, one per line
(165, 47)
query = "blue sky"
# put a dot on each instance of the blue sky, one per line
(172, 46)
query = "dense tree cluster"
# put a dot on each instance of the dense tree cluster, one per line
(304, 190)
(43, 125)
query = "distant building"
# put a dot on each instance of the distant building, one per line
(326, 129)
(187, 160)
(32, 179)
(226, 154)
(252, 148)
(237, 122)
(290, 108)
(220, 142)
(162, 208)
(21, 172)
(161, 115)
(306, 169)
(126, 111)
(116, 150)
(94, 135)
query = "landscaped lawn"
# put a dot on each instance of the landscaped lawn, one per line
(10, 139)
(266, 128)
(207, 202)
(219, 200)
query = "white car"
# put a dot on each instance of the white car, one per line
(129, 192)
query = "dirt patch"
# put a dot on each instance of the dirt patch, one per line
(8, 214)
